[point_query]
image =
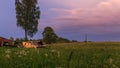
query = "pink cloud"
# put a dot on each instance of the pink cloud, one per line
(72, 3)
(103, 18)
(103, 13)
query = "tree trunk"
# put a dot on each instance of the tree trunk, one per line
(26, 38)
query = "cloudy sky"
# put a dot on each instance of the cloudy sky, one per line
(72, 19)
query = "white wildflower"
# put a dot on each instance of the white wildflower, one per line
(115, 66)
(110, 60)
(8, 51)
(7, 56)
(23, 52)
(58, 54)
(19, 56)
(46, 55)
(53, 50)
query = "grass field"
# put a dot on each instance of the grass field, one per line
(65, 55)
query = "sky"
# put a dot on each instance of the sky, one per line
(71, 19)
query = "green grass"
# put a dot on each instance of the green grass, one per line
(65, 55)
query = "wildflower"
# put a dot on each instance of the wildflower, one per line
(115, 66)
(23, 52)
(27, 52)
(53, 50)
(18, 46)
(7, 56)
(58, 54)
(38, 52)
(8, 51)
(31, 58)
(46, 55)
(16, 53)
(19, 56)
(110, 60)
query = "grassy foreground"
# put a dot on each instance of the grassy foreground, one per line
(66, 55)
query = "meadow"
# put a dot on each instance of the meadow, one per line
(63, 55)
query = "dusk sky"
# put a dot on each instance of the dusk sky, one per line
(71, 19)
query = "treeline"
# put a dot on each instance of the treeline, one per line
(49, 37)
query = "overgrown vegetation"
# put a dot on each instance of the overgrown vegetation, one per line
(65, 55)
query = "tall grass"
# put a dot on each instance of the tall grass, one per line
(66, 55)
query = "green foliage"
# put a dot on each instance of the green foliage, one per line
(27, 14)
(62, 40)
(18, 42)
(65, 55)
(11, 38)
(74, 41)
(49, 35)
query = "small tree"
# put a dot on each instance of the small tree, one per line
(11, 38)
(27, 14)
(49, 35)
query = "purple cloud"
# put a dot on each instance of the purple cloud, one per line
(102, 19)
